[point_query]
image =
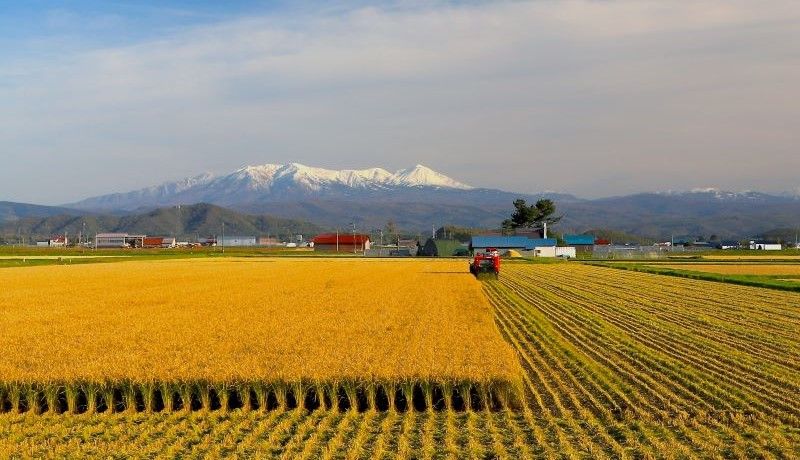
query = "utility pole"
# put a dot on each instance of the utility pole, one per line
(223, 237)
(354, 236)
(337, 239)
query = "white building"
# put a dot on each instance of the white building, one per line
(118, 240)
(765, 246)
(237, 241)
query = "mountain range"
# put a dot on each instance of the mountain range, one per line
(253, 185)
(417, 198)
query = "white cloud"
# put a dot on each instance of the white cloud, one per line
(608, 88)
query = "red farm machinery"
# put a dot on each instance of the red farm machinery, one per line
(486, 263)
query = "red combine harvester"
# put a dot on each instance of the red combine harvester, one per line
(486, 263)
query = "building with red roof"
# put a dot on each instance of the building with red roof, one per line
(341, 242)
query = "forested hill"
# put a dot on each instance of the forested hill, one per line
(184, 221)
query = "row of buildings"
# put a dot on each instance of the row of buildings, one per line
(125, 240)
(528, 245)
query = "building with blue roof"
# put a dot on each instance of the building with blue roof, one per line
(579, 239)
(504, 243)
(581, 243)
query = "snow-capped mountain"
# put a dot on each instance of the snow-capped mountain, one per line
(315, 179)
(717, 194)
(273, 182)
(713, 193)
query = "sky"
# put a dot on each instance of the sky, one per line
(590, 97)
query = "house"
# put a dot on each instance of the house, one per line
(58, 241)
(581, 243)
(342, 242)
(442, 248)
(118, 240)
(505, 243)
(230, 241)
(762, 245)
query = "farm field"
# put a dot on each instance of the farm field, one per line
(760, 257)
(738, 269)
(614, 364)
(239, 332)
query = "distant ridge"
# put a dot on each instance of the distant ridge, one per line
(10, 211)
(188, 221)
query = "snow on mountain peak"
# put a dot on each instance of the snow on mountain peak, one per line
(313, 178)
(421, 175)
(259, 182)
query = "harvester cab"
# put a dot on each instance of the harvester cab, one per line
(486, 263)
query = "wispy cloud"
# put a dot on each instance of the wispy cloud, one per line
(616, 96)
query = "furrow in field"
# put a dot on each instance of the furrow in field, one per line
(607, 419)
(301, 436)
(574, 320)
(388, 436)
(685, 391)
(611, 339)
(374, 431)
(313, 446)
(337, 446)
(357, 447)
(694, 323)
(673, 345)
(283, 431)
(634, 375)
(565, 397)
(248, 446)
(452, 446)
(544, 426)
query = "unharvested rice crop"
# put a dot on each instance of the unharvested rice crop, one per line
(243, 332)
(616, 364)
(738, 269)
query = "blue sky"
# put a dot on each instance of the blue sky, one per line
(591, 97)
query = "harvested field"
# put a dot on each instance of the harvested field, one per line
(655, 364)
(616, 364)
(738, 269)
(762, 257)
(240, 332)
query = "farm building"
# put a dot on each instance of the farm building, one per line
(237, 241)
(581, 243)
(442, 248)
(504, 243)
(341, 242)
(58, 241)
(118, 240)
(158, 242)
(765, 245)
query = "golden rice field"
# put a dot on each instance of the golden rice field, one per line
(738, 269)
(248, 332)
(614, 364)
